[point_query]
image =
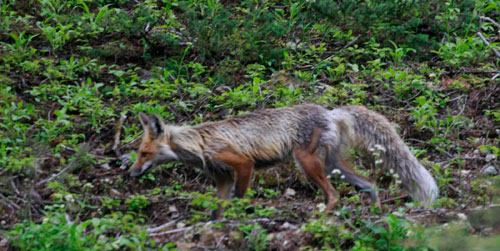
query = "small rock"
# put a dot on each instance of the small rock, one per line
(290, 192)
(4, 244)
(208, 238)
(115, 192)
(172, 209)
(287, 225)
(489, 170)
(476, 152)
(105, 166)
(180, 224)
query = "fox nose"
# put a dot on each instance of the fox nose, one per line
(135, 172)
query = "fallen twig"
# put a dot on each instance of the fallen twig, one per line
(394, 199)
(117, 131)
(488, 43)
(85, 148)
(158, 228)
(228, 222)
(172, 231)
(345, 46)
(130, 142)
(8, 202)
(351, 43)
(490, 20)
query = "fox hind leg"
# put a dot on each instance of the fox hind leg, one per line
(335, 162)
(307, 158)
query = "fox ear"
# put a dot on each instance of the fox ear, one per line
(144, 119)
(157, 126)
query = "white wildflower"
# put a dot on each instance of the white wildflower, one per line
(342, 176)
(462, 216)
(490, 157)
(69, 198)
(380, 147)
(321, 207)
(336, 171)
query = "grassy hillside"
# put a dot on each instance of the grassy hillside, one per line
(75, 74)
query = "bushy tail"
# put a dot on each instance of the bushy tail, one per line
(371, 131)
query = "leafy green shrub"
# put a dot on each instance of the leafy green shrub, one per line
(414, 24)
(256, 236)
(463, 51)
(58, 232)
(137, 202)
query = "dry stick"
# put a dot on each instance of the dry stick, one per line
(393, 199)
(9, 203)
(116, 138)
(84, 149)
(352, 42)
(231, 223)
(346, 46)
(156, 229)
(490, 20)
(131, 142)
(172, 231)
(488, 43)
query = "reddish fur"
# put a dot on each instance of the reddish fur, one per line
(314, 169)
(242, 168)
(146, 151)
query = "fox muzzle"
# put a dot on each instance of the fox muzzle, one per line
(135, 172)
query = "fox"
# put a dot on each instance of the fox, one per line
(318, 139)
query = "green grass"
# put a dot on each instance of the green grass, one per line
(69, 70)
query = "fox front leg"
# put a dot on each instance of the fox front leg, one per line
(242, 168)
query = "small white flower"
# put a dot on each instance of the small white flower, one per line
(462, 216)
(398, 182)
(391, 171)
(490, 157)
(336, 171)
(342, 176)
(321, 207)
(379, 161)
(380, 147)
(68, 197)
(395, 175)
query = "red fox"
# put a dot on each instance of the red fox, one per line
(317, 138)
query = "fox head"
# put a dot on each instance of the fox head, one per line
(155, 148)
